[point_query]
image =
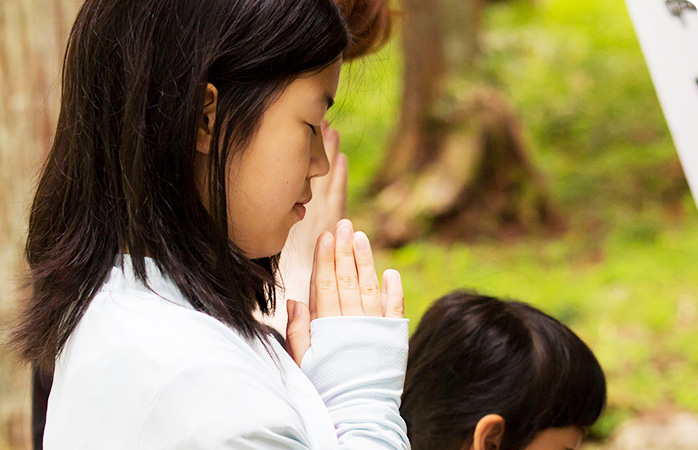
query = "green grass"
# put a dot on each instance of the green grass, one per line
(634, 302)
(625, 276)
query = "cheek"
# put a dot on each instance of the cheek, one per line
(286, 160)
(289, 172)
(269, 177)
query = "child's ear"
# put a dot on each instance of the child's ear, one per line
(488, 433)
(208, 118)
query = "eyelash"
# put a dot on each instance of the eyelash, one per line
(314, 129)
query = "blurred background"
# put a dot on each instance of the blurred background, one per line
(515, 147)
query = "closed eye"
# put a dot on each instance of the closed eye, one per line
(314, 129)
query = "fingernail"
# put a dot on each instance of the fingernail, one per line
(361, 241)
(392, 278)
(328, 241)
(345, 231)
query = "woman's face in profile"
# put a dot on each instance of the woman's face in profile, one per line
(269, 181)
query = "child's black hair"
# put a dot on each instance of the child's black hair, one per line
(474, 355)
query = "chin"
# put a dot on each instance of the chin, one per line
(267, 252)
(262, 254)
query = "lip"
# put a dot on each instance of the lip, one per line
(306, 200)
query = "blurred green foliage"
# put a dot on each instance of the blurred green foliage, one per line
(625, 275)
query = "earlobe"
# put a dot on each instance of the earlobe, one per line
(488, 433)
(208, 118)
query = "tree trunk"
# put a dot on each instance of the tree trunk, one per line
(33, 34)
(423, 77)
(458, 165)
(462, 31)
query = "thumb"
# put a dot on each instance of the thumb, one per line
(297, 330)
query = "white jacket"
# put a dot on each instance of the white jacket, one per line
(144, 370)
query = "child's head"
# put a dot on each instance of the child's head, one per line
(483, 371)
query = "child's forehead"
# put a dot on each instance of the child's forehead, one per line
(566, 438)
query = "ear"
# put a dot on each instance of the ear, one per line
(208, 118)
(488, 433)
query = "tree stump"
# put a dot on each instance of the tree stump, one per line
(458, 166)
(479, 182)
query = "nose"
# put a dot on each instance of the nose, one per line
(319, 164)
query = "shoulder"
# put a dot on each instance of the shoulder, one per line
(142, 322)
(146, 338)
(185, 378)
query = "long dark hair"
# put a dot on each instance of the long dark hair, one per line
(120, 174)
(474, 355)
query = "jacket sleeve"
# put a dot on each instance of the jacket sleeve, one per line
(228, 399)
(358, 364)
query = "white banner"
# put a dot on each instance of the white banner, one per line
(668, 34)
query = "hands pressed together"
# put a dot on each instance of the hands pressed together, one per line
(343, 280)
(343, 283)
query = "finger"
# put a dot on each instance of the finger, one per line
(312, 292)
(368, 280)
(326, 295)
(347, 278)
(337, 190)
(393, 295)
(297, 330)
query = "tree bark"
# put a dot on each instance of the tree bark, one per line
(423, 77)
(463, 20)
(33, 34)
(458, 165)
